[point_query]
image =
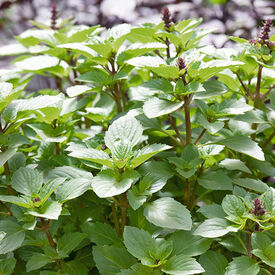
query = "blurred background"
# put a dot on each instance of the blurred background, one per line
(228, 17)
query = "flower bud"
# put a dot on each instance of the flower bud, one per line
(258, 209)
(166, 18)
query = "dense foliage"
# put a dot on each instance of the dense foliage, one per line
(154, 156)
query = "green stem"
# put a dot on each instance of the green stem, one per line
(257, 98)
(173, 123)
(187, 120)
(50, 240)
(268, 140)
(200, 136)
(192, 198)
(123, 206)
(115, 219)
(7, 208)
(248, 244)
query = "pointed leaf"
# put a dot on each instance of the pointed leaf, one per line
(168, 213)
(109, 183)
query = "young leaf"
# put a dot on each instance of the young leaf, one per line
(147, 152)
(168, 213)
(109, 183)
(233, 206)
(49, 210)
(122, 136)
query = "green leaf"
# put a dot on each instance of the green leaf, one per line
(12, 49)
(27, 181)
(110, 259)
(20, 201)
(69, 172)
(255, 185)
(41, 62)
(156, 107)
(147, 152)
(90, 154)
(263, 248)
(212, 211)
(7, 266)
(109, 183)
(14, 237)
(213, 228)
(139, 243)
(37, 261)
(157, 172)
(100, 233)
(121, 137)
(72, 189)
(6, 155)
(96, 77)
(49, 210)
(77, 90)
(139, 269)
(243, 145)
(234, 164)
(49, 188)
(181, 264)
(80, 48)
(213, 263)
(74, 267)
(243, 265)
(215, 180)
(233, 206)
(184, 242)
(168, 213)
(68, 242)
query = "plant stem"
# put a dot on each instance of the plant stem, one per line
(123, 206)
(7, 208)
(257, 98)
(192, 198)
(173, 123)
(7, 173)
(268, 140)
(268, 92)
(200, 136)
(187, 120)
(115, 219)
(187, 189)
(167, 42)
(244, 87)
(248, 244)
(50, 240)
